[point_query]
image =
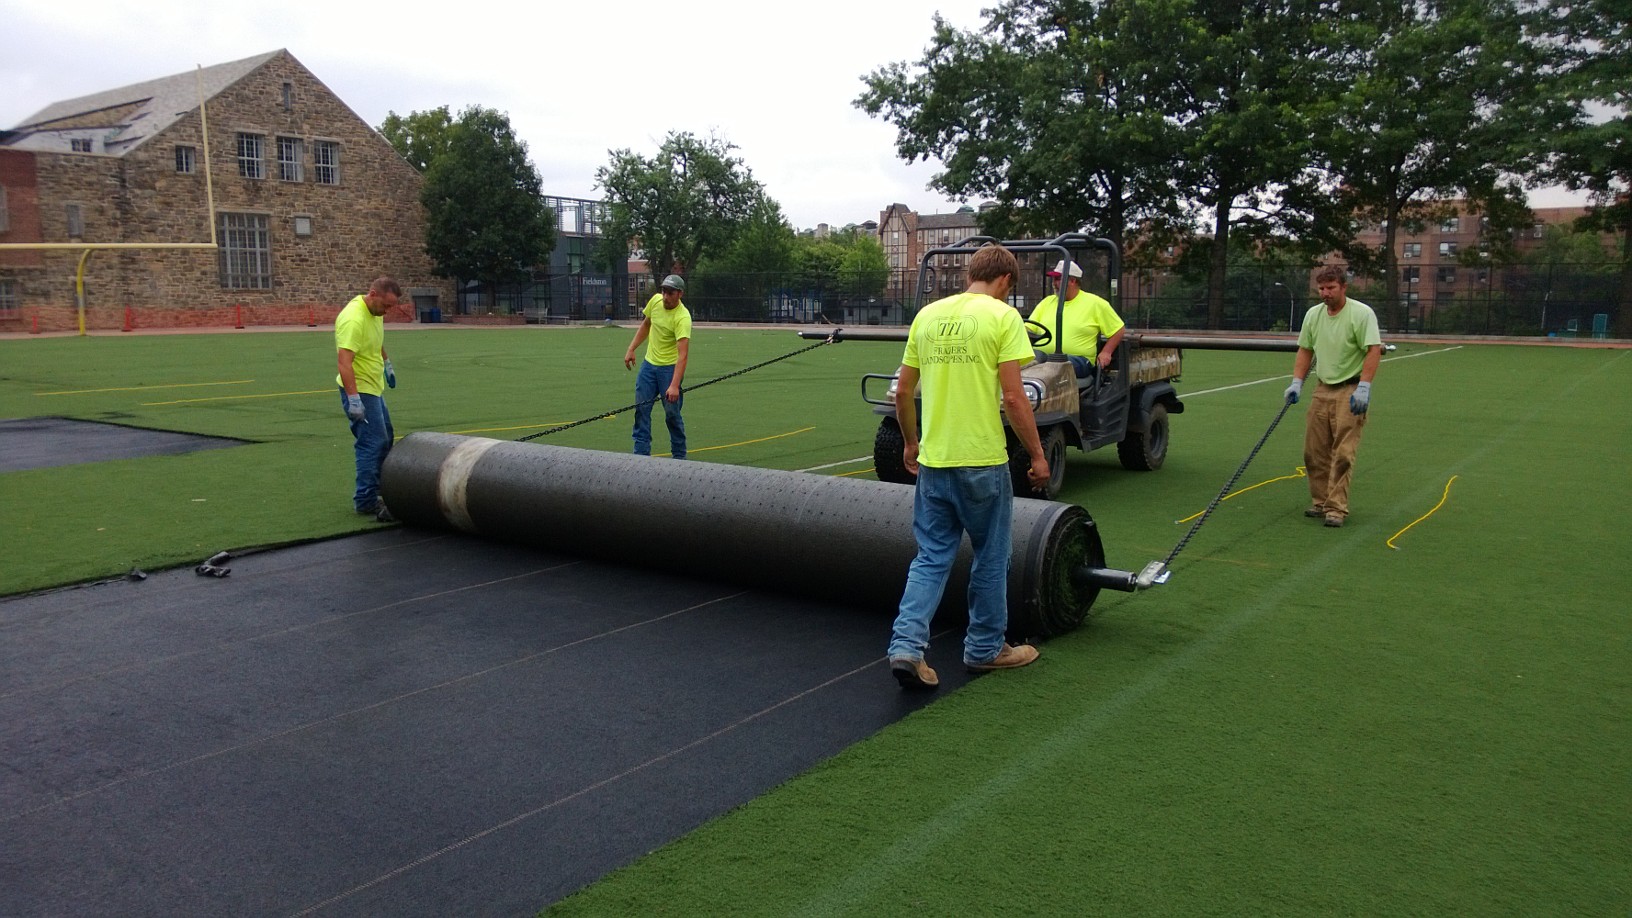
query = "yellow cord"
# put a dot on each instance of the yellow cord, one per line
(1300, 473)
(1419, 519)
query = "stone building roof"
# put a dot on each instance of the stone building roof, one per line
(120, 120)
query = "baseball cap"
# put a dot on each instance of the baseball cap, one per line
(1076, 269)
(676, 282)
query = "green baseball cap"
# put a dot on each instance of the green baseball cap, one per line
(675, 282)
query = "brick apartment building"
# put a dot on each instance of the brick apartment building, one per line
(310, 204)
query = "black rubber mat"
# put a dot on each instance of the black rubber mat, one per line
(403, 723)
(40, 443)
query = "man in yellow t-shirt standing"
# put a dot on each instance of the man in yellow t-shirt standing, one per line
(667, 324)
(365, 374)
(1340, 339)
(1087, 316)
(966, 350)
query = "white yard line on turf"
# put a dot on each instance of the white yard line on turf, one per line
(1289, 375)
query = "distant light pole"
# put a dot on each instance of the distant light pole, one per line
(1291, 305)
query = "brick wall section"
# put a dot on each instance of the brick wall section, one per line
(371, 223)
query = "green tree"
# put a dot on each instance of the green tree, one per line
(486, 218)
(688, 201)
(864, 270)
(1437, 106)
(748, 271)
(1044, 112)
(420, 137)
(1592, 150)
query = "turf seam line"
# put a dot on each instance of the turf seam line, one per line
(587, 789)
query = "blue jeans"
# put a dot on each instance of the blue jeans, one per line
(374, 437)
(1080, 365)
(652, 382)
(948, 503)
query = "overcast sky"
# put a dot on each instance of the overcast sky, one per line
(577, 79)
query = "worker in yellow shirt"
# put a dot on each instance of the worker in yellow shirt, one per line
(1087, 317)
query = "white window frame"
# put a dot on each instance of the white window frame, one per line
(1411, 250)
(186, 159)
(1447, 250)
(251, 155)
(81, 145)
(245, 259)
(1451, 225)
(8, 297)
(290, 156)
(326, 162)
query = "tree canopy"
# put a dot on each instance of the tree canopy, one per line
(486, 215)
(689, 200)
(420, 137)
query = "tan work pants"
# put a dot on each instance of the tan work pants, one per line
(1331, 438)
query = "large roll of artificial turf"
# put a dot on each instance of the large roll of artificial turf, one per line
(798, 533)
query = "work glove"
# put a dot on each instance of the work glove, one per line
(390, 375)
(1293, 390)
(1361, 398)
(354, 407)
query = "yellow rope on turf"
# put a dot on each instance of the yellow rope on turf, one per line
(1442, 499)
(1299, 473)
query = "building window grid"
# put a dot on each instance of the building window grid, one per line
(186, 159)
(289, 159)
(246, 252)
(5, 212)
(80, 144)
(1451, 225)
(76, 220)
(1447, 275)
(1447, 250)
(1412, 250)
(8, 298)
(326, 162)
(249, 156)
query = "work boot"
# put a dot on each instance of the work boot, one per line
(1334, 520)
(913, 673)
(381, 513)
(1010, 657)
(1315, 513)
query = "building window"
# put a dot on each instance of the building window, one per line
(1537, 231)
(76, 221)
(1447, 250)
(1413, 298)
(8, 299)
(186, 159)
(1412, 274)
(1451, 225)
(326, 162)
(289, 159)
(80, 145)
(246, 252)
(1447, 275)
(303, 225)
(249, 156)
(5, 212)
(1412, 250)
(288, 96)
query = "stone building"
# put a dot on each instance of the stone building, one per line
(310, 203)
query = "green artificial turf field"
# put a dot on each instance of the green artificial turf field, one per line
(1302, 721)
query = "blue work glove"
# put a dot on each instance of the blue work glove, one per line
(354, 407)
(1360, 399)
(390, 375)
(1293, 390)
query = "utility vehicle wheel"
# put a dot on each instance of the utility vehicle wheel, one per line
(1020, 464)
(887, 461)
(1145, 452)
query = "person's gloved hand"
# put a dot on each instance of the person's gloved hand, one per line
(1361, 398)
(1293, 390)
(390, 375)
(354, 407)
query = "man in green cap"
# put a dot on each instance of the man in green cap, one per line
(668, 327)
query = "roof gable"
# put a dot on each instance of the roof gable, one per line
(125, 117)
